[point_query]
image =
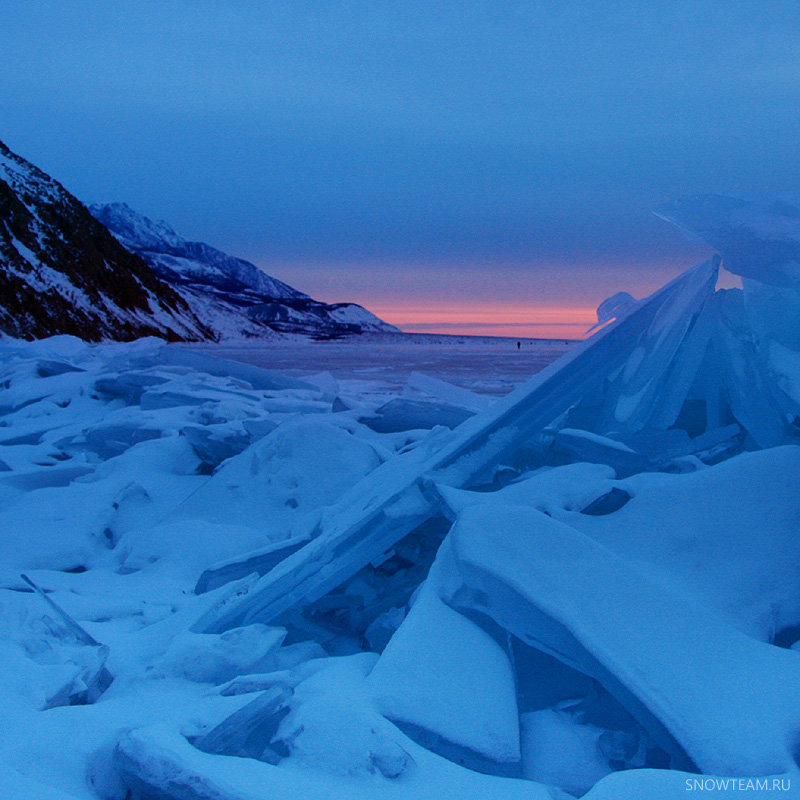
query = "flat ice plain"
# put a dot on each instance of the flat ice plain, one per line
(486, 364)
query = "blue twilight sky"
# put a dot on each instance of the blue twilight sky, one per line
(442, 163)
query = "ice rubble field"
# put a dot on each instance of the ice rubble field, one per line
(392, 579)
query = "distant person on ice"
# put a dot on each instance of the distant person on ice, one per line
(519, 344)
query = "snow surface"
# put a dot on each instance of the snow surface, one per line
(106, 504)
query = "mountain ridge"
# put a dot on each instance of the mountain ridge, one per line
(107, 272)
(230, 294)
(61, 271)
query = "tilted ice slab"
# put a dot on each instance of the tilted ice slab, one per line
(716, 534)
(705, 692)
(332, 744)
(649, 391)
(388, 504)
(419, 383)
(257, 377)
(758, 239)
(445, 676)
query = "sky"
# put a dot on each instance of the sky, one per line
(463, 167)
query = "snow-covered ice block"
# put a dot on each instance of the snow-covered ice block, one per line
(558, 751)
(705, 692)
(166, 398)
(447, 393)
(217, 658)
(250, 731)
(297, 662)
(450, 686)
(158, 762)
(332, 725)
(258, 561)
(572, 486)
(258, 428)
(403, 414)
(47, 478)
(300, 467)
(47, 367)
(716, 534)
(386, 505)
(257, 377)
(215, 443)
(110, 439)
(326, 383)
(128, 386)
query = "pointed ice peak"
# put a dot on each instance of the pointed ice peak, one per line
(758, 237)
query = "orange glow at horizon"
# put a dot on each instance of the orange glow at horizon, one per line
(525, 321)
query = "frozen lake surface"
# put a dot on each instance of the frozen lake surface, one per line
(485, 364)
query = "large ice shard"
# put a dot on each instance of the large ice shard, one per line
(388, 504)
(83, 658)
(714, 698)
(446, 683)
(748, 389)
(715, 534)
(759, 239)
(650, 391)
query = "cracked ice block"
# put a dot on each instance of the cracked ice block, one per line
(387, 504)
(705, 692)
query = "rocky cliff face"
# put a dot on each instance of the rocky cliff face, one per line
(61, 271)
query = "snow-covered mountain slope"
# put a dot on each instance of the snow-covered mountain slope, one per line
(229, 294)
(61, 271)
(192, 263)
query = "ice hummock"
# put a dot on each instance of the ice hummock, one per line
(587, 586)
